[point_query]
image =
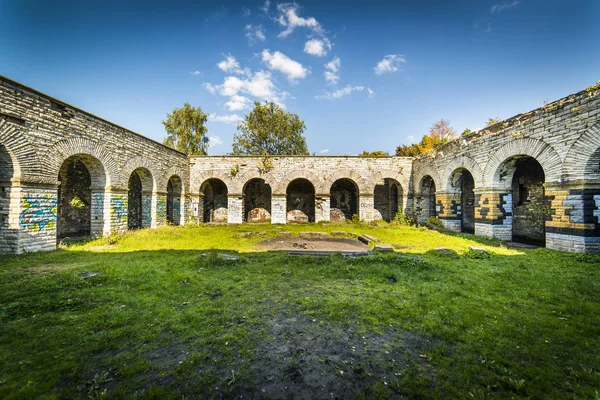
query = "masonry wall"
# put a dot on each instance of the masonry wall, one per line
(564, 137)
(38, 133)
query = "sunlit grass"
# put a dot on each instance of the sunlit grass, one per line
(167, 317)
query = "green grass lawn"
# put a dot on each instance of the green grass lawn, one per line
(168, 317)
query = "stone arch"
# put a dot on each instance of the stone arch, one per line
(300, 200)
(174, 203)
(344, 174)
(420, 173)
(281, 187)
(8, 134)
(344, 200)
(494, 176)
(241, 180)
(164, 178)
(9, 171)
(197, 180)
(140, 198)
(257, 194)
(460, 197)
(583, 159)
(143, 163)
(425, 199)
(462, 162)
(64, 149)
(379, 176)
(214, 201)
(388, 198)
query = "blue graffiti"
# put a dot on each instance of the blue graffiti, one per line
(38, 212)
(147, 210)
(119, 207)
(97, 202)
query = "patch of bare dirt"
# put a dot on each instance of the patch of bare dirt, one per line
(303, 243)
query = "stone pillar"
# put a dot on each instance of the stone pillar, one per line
(574, 225)
(161, 209)
(449, 210)
(493, 213)
(322, 208)
(235, 209)
(366, 208)
(148, 209)
(179, 211)
(10, 208)
(36, 216)
(278, 209)
(115, 210)
(97, 212)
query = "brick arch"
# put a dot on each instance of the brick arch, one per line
(199, 179)
(66, 148)
(18, 153)
(142, 162)
(583, 158)
(281, 186)
(164, 178)
(461, 162)
(422, 173)
(350, 175)
(242, 179)
(379, 176)
(544, 154)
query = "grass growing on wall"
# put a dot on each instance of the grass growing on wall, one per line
(167, 317)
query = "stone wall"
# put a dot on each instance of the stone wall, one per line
(37, 135)
(563, 137)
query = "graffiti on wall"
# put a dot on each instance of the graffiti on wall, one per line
(161, 209)
(147, 210)
(97, 203)
(118, 207)
(39, 212)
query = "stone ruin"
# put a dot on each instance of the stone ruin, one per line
(65, 173)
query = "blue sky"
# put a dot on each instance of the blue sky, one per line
(363, 75)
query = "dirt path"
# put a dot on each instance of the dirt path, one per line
(299, 243)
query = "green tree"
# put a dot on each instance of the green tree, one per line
(270, 130)
(466, 132)
(440, 133)
(186, 131)
(376, 153)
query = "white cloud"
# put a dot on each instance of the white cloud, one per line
(226, 119)
(255, 34)
(317, 47)
(211, 88)
(288, 17)
(246, 12)
(237, 103)
(496, 8)
(293, 70)
(230, 65)
(195, 73)
(340, 93)
(371, 93)
(265, 7)
(324, 151)
(332, 69)
(214, 141)
(390, 63)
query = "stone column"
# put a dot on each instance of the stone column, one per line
(366, 207)
(36, 216)
(575, 215)
(493, 213)
(278, 209)
(115, 210)
(235, 208)
(160, 199)
(322, 208)
(449, 210)
(148, 209)
(98, 213)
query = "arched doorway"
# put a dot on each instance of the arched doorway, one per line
(426, 202)
(213, 198)
(174, 190)
(77, 209)
(530, 207)
(343, 200)
(300, 195)
(463, 184)
(257, 201)
(139, 199)
(388, 198)
(7, 172)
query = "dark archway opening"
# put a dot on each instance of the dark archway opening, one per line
(343, 200)
(134, 201)
(388, 198)
(530, 207)
(426, 199)
(74, 199)
(463, 182)
(214, 201)
(6, 174)
(300, 201)
(174, 189)
(257, 201)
